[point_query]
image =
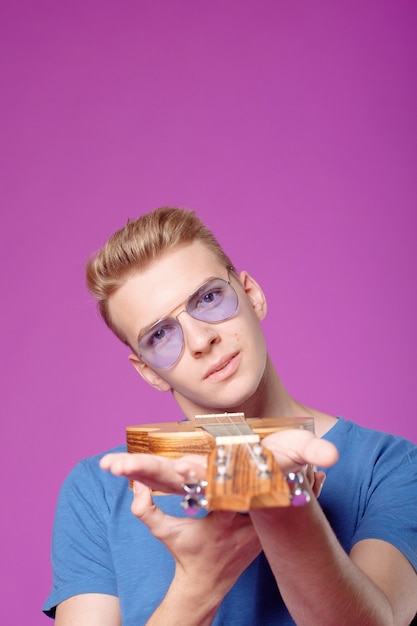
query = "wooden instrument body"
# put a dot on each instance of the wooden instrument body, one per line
(243, 487)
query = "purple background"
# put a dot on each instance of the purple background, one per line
(289, 126)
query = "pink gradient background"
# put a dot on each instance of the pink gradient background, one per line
(289, 126)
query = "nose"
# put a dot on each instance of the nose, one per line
(199, 336)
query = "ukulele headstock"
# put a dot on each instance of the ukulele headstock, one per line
(242, 474)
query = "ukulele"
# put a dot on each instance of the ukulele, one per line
(241, 473)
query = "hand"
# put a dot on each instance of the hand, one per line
(157, 472)
(293, 449)
(221, 545)
(296, 450)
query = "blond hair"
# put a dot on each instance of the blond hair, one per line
(136, 245)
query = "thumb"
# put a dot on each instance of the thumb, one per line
(300, 447)
(319, 478)
(161, 525)
(143, 506)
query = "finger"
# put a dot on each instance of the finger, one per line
(239, 527)
(292, 448)
(142, 500)
(144, 508)
(319, 478)
(195, 459)
(155, 471)
(189, 470)
(310, 473)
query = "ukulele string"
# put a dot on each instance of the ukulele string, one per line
(258, 461)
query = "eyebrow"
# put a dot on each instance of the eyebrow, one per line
(147, 328)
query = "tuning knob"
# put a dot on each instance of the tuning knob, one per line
(298, 494)
(194, 499)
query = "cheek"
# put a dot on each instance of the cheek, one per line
(254, 336)
(181, 377)
(248, 327)
(249, 337)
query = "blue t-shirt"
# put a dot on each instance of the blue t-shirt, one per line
(100, 547)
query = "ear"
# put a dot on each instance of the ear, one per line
(148, 374)
(255, 294)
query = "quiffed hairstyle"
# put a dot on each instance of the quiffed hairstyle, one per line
(140, 242)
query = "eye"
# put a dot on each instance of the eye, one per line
(210, 297)
(159, 335)
(206, 298)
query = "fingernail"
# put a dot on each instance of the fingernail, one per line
(137, 486)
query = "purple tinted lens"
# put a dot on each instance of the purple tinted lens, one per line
(162, 345)
(215, 301)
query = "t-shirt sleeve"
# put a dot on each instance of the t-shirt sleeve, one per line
(389, 508)
(81, 556)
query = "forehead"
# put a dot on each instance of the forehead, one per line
(150, 294)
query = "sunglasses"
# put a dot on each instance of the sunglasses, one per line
(163, 343)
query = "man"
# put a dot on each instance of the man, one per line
(349, 556)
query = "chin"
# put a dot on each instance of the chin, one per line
(236, 401)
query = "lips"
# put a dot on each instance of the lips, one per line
(222, 365)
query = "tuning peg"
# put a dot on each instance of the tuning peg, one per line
(194, 499)
(298, 494)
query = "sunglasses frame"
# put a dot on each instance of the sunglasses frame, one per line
(144, 332)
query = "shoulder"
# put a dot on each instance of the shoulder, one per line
(354, 440)
(91, 465)
(378, 472)
(370, 493)
(371, 457)
(87, 482)
(374, 468)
